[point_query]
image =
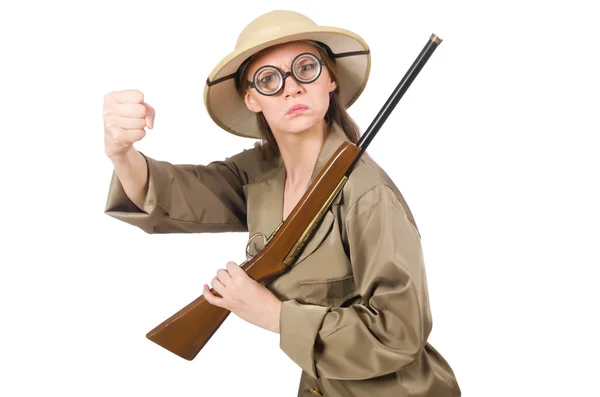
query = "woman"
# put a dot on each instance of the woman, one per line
(353, 311)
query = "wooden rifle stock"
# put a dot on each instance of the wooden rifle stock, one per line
(186, 332)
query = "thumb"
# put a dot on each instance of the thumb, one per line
(150, 114)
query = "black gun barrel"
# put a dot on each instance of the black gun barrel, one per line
(366, 138)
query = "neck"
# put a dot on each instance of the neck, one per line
(299, 152)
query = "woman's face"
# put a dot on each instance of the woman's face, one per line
(312, 98)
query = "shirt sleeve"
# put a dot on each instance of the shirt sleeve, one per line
(184, 198)
(387, 332)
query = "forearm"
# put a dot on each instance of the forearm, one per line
(132, 170)
(331, 342)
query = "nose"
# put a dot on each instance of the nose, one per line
(291, 87)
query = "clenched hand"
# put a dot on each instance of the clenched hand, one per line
(126, 116)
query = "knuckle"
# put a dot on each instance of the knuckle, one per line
(106, 110)
(138, 96)
(117, 137)
(112, 126)
(108, 98)
(120, 137)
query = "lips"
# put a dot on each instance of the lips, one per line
(297, 109)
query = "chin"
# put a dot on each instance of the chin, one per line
(299, 123)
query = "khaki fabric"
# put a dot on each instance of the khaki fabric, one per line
(355, 315)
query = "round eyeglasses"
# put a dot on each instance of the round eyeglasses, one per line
(269, 80)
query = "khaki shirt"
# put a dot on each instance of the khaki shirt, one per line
(355, 314)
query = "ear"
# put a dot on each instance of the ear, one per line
(251, 103)
(332, 85)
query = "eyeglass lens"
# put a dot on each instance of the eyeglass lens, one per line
(305, 69)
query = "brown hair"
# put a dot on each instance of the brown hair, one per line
(336, 113)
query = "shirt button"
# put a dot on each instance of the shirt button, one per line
(315, 392)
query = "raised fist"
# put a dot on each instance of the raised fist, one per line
(125, 117)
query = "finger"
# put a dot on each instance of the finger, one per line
(110, 100)
(132, 110)
(210, 298)
(108, 109)
(224, 276)
(234, 270)
(126, 123)
(150, 114)
(126, 96)
(123, 137)
(218, 286)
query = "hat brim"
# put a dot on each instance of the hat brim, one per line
(227, 108)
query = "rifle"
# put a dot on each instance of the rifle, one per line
(186, 332)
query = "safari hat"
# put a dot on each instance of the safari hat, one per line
(350, 52)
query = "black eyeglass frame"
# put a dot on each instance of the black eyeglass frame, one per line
(283, 76)
(235, 76)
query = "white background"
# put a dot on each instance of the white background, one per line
(494, 147)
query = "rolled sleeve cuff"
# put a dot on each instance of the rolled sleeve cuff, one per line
(298, 328)
(119, 206)
(156, 178)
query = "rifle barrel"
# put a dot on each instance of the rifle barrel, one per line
(366, 138)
